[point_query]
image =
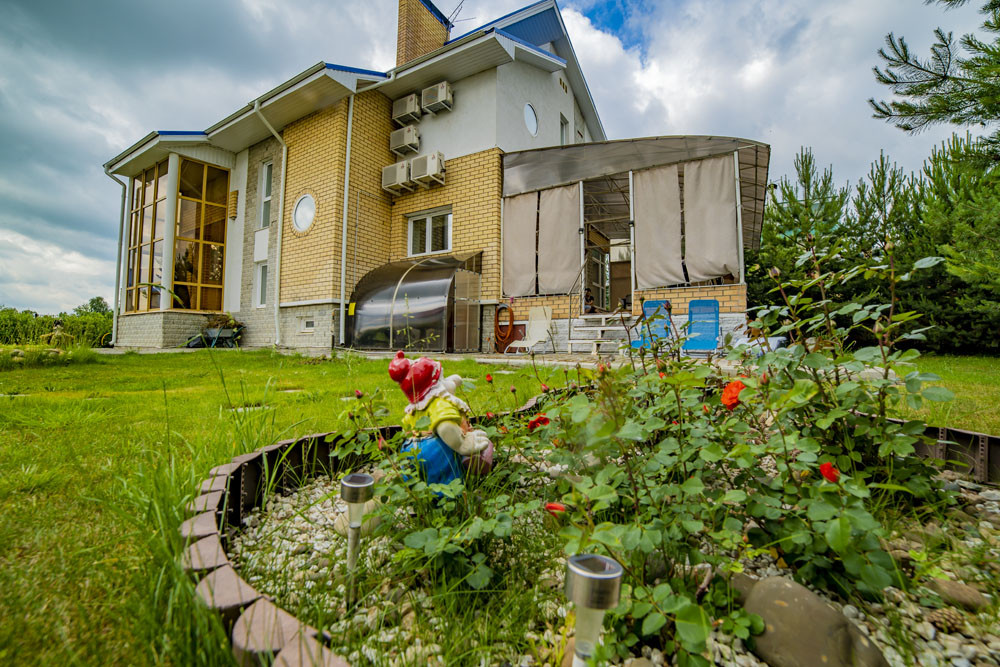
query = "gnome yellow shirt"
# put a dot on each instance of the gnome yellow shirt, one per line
(438, 410)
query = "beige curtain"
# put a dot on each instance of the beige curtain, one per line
(711, 241)
(558, 239)
(519, 219)
(657, 209)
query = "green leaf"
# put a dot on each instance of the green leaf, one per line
(693, 626)
(692, 526)
(820, 511)
(640, 609)
(927, 262)
(938, 394)
(693, 486)
(734, 496)
(838, 534)
(653, 622)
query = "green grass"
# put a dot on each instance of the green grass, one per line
(976, 384)
(96, 461)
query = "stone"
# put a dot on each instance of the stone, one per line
(802, 630)
(958, 594)
(991, 495)
(305, 651)
(639, 662)
(262, 631)
(926, 630)
(16, 353)
(340, 524)
(223, 590)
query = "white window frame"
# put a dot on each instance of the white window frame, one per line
(260, 284)
(426, 218)
(265, 168)
(303, 324)
(564, 131)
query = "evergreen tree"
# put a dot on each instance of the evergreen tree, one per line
(957, 84)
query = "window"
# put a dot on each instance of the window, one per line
(308, 325)
(563, 130)
(530, 120)
(265, 194)
(430, 233)
(261, 291)
(303, 213)
(145, 239)
(200, 246)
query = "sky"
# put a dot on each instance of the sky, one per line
(82, 81)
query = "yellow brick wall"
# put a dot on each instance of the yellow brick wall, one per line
(418, 31)
(310, 261)
(472, 188)
(731, 298)
(562, 306)
(369, 206)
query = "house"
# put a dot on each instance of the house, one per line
(352, 207)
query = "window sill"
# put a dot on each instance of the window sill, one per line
(431, 254)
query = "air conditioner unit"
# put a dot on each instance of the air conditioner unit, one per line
(396, 178)
(405, 140)
(437, 98)
(406, 110)
(428, 169)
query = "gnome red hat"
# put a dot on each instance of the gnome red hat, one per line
(414, 378)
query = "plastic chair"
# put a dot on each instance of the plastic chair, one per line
(703, 326)
(659, 328)
(537, 329)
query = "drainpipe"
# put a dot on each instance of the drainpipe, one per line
(281, 222)
(343, 221)
(118, 260)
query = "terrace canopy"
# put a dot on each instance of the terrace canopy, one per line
(686, 206)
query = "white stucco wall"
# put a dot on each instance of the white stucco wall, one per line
(232, 276)
(470, 126)
(519, 84)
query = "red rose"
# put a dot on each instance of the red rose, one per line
(555, 509)
(540, 420)
(707, 410)
(662, 375)
(358, 393)
(489, 378)
(490, 415)
(731, 394)
(513, 389)
(545, 387)
(830, 473)
(763, 378)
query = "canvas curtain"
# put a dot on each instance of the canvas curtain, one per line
(657, 210)
(519, 224)
(711, 238)
(558, 239)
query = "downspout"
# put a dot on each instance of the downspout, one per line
(281, 222)
(118, 260)
(343, 221)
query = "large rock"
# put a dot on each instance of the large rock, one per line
(958, 594)
(802, 630)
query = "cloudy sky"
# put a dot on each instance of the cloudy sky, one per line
(81, 81)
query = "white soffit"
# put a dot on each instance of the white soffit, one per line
(317, 91)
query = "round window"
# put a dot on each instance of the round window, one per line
(303, 213)
(530, 119)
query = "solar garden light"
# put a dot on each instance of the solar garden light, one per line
(355, 489)
(593, 583)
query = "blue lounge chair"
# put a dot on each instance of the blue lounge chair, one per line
(659, 328)
(703, 326)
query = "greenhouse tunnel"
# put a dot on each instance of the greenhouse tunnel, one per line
(429, 304)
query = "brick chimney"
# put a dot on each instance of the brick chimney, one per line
(422, 29)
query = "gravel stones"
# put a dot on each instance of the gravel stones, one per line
(958, 594)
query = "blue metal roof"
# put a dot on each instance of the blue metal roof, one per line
(495, 21)
(180, 132)
(356, 70)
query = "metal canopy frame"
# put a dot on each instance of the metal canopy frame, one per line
(604, 167)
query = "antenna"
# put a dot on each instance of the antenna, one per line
(454, 14)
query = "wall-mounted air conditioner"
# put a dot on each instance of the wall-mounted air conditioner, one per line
(405, 140)
(437, 98)
(428, 169)
(406, 110)
(396, 178)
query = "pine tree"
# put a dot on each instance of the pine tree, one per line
(957, 84)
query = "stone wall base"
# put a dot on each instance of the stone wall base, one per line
(158, 329)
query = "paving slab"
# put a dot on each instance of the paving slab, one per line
(262, 631)
(304, 651)
(223, 590)
(204, 555)
(206, 502)
(217, 483)
(200, 525)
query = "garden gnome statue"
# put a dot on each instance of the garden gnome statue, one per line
(450, 443)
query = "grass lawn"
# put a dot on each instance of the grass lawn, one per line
(81, 444)
(976, 383)
(73, 566)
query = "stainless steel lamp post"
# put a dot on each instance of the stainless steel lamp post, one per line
(355, 489)
(593, 584)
